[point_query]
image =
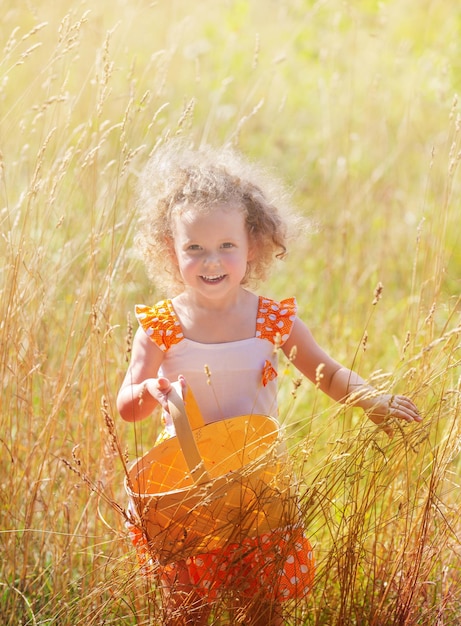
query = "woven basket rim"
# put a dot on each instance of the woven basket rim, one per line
(228, 476)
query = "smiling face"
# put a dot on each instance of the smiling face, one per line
(212, 249)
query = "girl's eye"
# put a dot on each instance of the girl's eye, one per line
(228, 244)
(193, 247)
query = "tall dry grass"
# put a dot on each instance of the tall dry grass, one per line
(354, 104)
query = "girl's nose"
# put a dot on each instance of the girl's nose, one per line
(212, 259)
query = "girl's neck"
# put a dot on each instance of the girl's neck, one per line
(190, 298)
(217, 321)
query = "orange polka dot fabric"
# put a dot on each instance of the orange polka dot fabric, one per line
(275, 319)
(160, 323)
(275, 566)
(145, 559)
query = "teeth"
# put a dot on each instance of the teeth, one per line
(212, 278)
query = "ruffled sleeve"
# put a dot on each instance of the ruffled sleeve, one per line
(275, 319)
(160, 323)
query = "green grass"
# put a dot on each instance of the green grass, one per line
(354, 105)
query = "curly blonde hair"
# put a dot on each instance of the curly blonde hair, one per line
(177, 176)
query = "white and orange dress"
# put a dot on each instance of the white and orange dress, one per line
(230, 379)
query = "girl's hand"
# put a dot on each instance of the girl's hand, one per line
(385, 406)
(159, 389)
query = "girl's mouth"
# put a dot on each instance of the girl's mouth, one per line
(212, 279)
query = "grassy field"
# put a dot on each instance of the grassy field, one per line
(354, 105)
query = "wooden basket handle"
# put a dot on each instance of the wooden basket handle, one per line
(185, 435)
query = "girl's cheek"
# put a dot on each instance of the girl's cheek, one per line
(189, 264)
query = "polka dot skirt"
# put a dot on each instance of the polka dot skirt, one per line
(279, 566)
(276, 566)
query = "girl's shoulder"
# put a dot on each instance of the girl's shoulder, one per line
(160, 323)
(275, 319)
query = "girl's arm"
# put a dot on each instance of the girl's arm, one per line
(342, 384)
(141, 391)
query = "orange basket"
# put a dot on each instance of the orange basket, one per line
(211, 484)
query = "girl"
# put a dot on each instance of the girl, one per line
(207, 231)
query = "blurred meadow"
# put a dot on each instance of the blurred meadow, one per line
(354, 105)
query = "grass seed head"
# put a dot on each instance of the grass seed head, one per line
(378, 293)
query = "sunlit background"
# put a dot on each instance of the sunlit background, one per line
(353, 104)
